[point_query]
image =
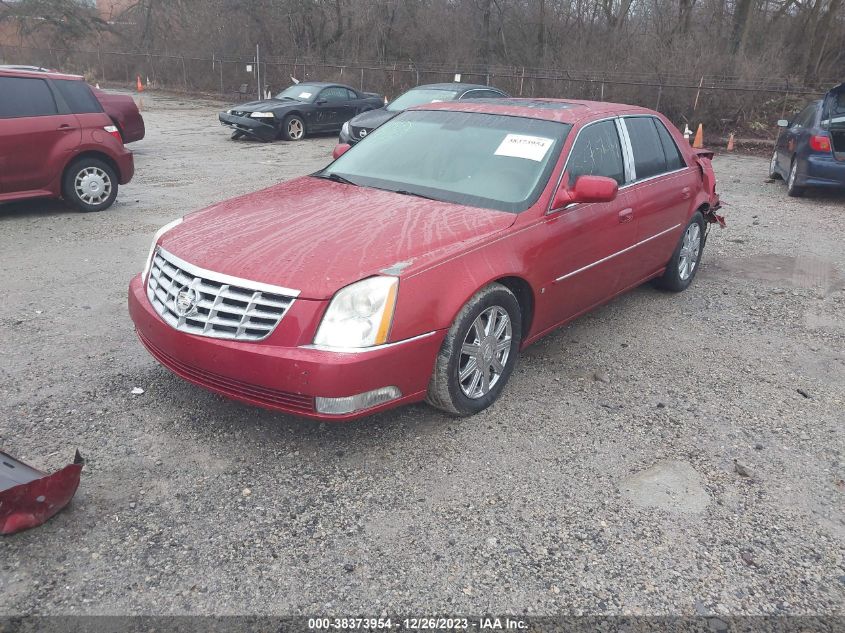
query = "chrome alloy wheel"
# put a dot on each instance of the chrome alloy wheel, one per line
(690, 248)
(93, 185)
(793, 173)
(484, 352)
(773, 166)
(295, 129)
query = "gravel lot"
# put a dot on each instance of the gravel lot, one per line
(603, 481)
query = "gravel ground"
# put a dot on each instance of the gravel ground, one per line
(602, 482)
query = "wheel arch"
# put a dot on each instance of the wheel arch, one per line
(96, 155)
(524, 296)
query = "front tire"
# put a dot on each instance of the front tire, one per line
(681, 269)
(236, 135)
(293, 128)
(90, 185)
(792, 190)
(478, 354)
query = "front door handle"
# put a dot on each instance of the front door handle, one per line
(626, 215)
(685, 193)
(64, 127)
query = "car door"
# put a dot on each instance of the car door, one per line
(37, 134)
(332, 104)
(664, 187)
(586, 255)
(796, 135)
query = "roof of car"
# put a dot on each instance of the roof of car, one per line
(456, 86)
(561, 110)
(40, 74)
(322, 84)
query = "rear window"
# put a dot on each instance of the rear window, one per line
(674, 159)
(79, 97)
(24, 97)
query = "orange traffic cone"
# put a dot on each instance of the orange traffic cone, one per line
(731, 142)
(698, 141)
(139, 86)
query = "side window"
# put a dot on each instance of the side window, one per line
(334, 94)
(23, 97)
(649, 159)
(482, 94)
(351, 95)
(805, 118)
(597, 152)
(674, 158)
(78, 96)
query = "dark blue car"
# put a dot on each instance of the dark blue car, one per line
(810, 150)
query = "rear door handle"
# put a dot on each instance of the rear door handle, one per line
(685, 193)
(626, 215)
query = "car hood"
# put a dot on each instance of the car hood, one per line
(266, 105)
(318, 236)
(372, 118)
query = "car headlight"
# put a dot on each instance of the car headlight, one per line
(359, 315)
(262, 115)
(345, 129)
(228, 112)
(156, 238)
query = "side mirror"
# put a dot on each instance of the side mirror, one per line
(340, 150)
(587, 189)
(783, 123)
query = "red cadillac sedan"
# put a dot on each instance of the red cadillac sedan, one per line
(421, 261)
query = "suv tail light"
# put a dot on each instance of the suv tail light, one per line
(819, 143)
(111, 129)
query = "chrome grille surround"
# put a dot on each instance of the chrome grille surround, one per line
(214, 304)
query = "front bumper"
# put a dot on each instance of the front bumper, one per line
(821, 171)
(283, 377)
(257, 128)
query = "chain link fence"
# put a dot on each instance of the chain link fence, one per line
(723, 104)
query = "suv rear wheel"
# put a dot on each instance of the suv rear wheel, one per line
(89, 184)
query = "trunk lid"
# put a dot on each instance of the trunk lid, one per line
(833, 119)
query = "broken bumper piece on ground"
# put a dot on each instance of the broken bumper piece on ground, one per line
(29, 497)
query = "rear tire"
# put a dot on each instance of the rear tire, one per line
(293, 128)
(89, 185)
(478, 354)
(792, 190)
(681, 269)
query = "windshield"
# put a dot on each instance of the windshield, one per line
(420, 96)
(300, 92)
(483, 160)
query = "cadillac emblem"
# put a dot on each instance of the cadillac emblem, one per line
(186, 302)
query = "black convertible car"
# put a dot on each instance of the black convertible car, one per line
(302, 109)
(362, 125)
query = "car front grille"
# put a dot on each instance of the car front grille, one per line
(360, 132)
(205, 303)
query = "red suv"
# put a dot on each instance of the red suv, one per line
(56, 142)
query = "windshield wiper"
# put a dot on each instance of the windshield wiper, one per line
(403, 192)
(336, 178)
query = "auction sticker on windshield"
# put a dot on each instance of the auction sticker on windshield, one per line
(521, 146)
(304, 95)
